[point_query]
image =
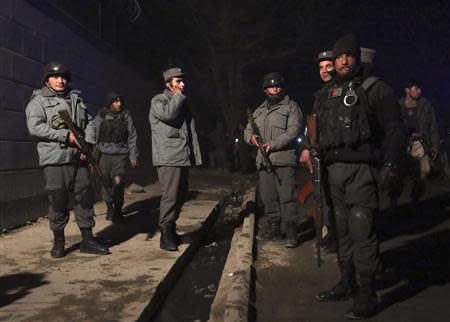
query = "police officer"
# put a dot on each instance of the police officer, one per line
(279, 120)
(115, 138)
(65, 171)
(357, 117)
(175, 147)
(420, 121)
(326, 66)
(326, 72)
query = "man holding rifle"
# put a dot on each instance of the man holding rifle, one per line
(65, 168)
(274, 127)
(359, 128)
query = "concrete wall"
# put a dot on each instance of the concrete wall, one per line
(28, 39)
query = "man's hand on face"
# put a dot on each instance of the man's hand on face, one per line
(177, 85)
(175, 89)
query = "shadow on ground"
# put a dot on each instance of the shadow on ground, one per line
(419, 257)
(16, 286)
(415, 218)
(141, 217)
(415, 266)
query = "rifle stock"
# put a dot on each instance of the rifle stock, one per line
(259, 140)
(85, 148)
(317, 206)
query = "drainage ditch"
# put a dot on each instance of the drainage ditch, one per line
(191, 297)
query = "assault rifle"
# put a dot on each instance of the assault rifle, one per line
(317, 207)
(84, 148)
(259, 140)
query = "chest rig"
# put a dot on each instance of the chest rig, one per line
(113, 128)
(344, 114)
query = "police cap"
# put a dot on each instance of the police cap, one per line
(324, 55)
(172, 72)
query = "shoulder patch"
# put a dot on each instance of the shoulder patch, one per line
(335, 92)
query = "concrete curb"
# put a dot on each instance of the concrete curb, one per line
(168, 282)
(231, 303)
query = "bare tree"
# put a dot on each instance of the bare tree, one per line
(224, 41)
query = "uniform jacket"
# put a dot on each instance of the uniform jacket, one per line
(174, 138)
(427, 121)
(93, 132)
(387, 136)
(280, 126)
(41, 111)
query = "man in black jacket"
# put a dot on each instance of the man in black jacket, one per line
(359, 128)
(420, 122)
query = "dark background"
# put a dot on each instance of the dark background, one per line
(227, 46)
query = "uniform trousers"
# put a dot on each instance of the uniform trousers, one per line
(279, 198)
(355, 199)
(61, 181)
(174, 192)
(113, 167)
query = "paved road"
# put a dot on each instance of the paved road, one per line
(415, 252)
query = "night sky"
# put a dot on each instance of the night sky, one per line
(227, 46)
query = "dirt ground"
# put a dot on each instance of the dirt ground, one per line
(117, 287)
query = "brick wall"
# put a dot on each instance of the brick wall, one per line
(28, 39)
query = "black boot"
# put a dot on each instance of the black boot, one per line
(180, 239)
(167, 241)
(264, 231)
(291, 236)
(275, 230)
(109, 210)
(117, 217)
(89, 245)
(344, 289)
(58, 244)
(366, 302)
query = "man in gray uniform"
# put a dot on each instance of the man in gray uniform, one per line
(175, 147)
(115, 137)
(279, 120)
(65, 171)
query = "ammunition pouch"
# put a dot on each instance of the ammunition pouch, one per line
(57, 123)
(343, 125)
